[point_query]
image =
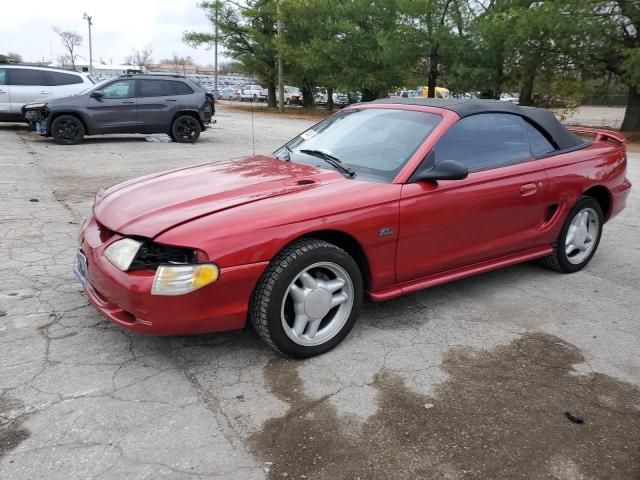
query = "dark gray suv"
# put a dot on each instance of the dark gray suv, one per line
(128, 104)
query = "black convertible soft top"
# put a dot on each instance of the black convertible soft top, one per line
(545, 120)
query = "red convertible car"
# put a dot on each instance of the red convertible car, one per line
(383, 199)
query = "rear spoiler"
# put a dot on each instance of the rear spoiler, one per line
(600, 135)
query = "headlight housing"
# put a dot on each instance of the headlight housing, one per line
(122, 252)
(37, 105)
(181, 279)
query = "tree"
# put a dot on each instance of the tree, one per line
(14, 57)
(357, 45)
(248, 32)
(70, 40)
(140, 58)
(312, 49)
(624, 57)
(437, 25)
(178, 62)
(63, 60)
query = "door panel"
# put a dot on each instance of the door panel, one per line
(156, 104)
(115, 112)
(5, 99)
(451, 224)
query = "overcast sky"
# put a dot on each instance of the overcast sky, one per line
(118, 26)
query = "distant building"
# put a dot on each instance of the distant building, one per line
(187, 69)
(101, 69)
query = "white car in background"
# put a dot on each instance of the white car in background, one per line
(508, 97)
(249, 93)
(292, 95)
(21, 84)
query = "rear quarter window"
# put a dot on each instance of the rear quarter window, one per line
(180, 88)
(59, 78)
(3, 76)
(539, 143)
(154, 88)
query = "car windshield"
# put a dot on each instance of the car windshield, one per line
(375, 143)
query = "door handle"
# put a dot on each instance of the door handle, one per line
(129, 101)
(528, 189)
(172, 99)
(44, 91)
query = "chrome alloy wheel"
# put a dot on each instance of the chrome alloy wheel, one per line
(582, 235)
(317, 304)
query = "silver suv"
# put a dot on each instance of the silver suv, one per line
(128, 104)
(20, 85)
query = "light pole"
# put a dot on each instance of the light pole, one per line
(89, 23)
(280, 66)
(215, 55)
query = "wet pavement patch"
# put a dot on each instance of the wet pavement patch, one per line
(501, 414)
(11, 433)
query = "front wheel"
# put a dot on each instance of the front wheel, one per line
(578, 239)
(308, 299)
(67, 130)
(185, 129)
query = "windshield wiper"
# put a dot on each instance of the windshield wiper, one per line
(331, 160)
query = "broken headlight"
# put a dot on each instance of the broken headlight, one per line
(122, 252)
(151, 255)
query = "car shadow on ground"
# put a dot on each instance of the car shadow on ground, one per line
(8, 127)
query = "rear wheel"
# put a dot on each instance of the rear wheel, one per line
(308, 299)
(578, 239)
(185, 129)
(67, 130)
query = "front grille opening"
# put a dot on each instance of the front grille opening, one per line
(104, 232)
(151, 255)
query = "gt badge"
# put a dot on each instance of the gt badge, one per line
(385, 232)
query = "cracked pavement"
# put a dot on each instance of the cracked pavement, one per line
(466, 380)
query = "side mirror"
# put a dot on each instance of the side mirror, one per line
(98, 94)
(447, 170)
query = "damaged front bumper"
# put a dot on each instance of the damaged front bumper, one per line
(37, 119)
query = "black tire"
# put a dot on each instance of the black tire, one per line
(558, 260)
(267, 299)
(185, 129)
(67, 130)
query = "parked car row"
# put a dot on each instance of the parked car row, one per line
(256, 93)
(127, 104)
(68, 105)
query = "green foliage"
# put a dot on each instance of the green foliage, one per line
(248, 33)
(546, 49)
(631, 66)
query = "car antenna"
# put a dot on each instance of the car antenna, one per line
(253, 132)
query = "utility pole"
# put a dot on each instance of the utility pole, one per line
(89, 23)
(280, 66)
(215, 54)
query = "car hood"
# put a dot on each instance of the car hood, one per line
(150, 205)
(69, 100)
